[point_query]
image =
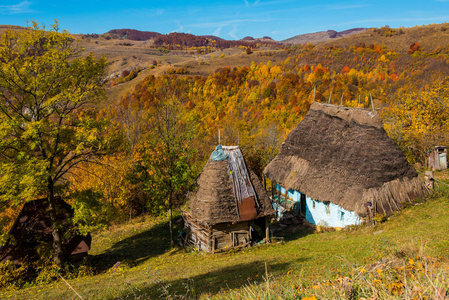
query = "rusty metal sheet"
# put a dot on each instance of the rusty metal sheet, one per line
(247, 209)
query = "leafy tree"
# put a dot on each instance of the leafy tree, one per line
(47, 123)
(419, 121)
(165, 163)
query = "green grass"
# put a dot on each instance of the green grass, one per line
(149, 269)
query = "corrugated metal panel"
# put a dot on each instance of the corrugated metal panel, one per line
(242, 186)
(247, 209)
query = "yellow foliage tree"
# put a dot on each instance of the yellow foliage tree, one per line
(419, 121)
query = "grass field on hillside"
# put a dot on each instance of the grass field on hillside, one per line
(297, 268)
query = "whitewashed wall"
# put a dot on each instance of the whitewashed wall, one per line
(322, 213)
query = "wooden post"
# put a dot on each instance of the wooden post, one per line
(267, 235)
(267, 231)
(429, 180)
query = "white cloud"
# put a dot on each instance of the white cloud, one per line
(22, 7)
(342, 7)
(228, 23)
(180, 29)
(233, 32)
(247, 4)
(217, 31)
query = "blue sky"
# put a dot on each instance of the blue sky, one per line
(232, 19)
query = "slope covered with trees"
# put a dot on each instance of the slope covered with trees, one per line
(46, 125)
(164, 129)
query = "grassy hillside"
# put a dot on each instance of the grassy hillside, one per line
(407, 254)
(430, 37)
(322, 36)
(127, 55)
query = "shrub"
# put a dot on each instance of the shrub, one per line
(12, 274)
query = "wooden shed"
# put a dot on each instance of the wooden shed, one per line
(438, 158)
(229, 204)
(32, 229)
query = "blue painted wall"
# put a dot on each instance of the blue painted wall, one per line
(321, 213)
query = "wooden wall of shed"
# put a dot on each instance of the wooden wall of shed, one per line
(217, 237)
(437, 159)
(227, 235)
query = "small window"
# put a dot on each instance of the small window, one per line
(313, 204)
(342, 215)
(328, 209)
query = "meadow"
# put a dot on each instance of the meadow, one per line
(406, 257)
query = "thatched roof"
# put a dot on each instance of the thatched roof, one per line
(343, 155)
(216, 197)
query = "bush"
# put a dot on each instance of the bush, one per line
(12, 275)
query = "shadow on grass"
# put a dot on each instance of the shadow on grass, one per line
(299, 234)
(207, 284)
(135, 249)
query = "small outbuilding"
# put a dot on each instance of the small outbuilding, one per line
(339, 166)
(32, 229)
(229, 207)
(438, 158)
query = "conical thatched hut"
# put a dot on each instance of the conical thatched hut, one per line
(339, 166)
(228, 202)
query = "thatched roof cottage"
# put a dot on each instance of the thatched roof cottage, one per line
(339, 166)
(229, 202)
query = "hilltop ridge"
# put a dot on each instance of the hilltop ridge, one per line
(322, 36)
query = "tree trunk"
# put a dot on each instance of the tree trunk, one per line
(58, 255)
(170, 221)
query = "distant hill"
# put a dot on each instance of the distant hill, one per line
(181, 40)
(432, 38)
(262, 39)
(322, 36)
(132, 34)
(11, 27)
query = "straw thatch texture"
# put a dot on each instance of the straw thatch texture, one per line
(343, 155)
(264, 202)
(215, 202)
